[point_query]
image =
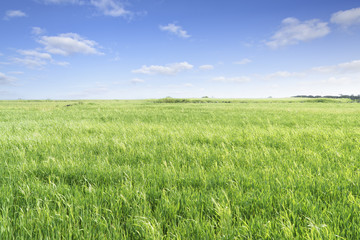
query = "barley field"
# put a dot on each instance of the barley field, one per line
(180, 169)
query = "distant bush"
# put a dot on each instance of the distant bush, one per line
(185, 100)
(355, 98)
(322, 100)
(172, 100)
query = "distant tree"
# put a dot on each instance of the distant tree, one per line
(352, 97)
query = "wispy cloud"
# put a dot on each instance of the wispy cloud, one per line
(35, 54)
(241, 79)
(346, 67)
(4, 79)
(4, 93)
(169, 69)
(35, 59)
(341, 80)
(206, 67)
(137, 80)
(32, 58)
(175, 29)
(346, 18)
(63, 44)
(37, 31)
(63, 64)
(293, 31)
(29, 62)
(16, 73)
(79, 2)
(111, 8)
(96, 90)
(14, 14)
(90, 92)
(68, 44)
(332, 73)
(284, 74)
(243, 61)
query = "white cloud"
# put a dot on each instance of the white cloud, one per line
(353, 66)
(346, 18)
(111, 8)
(232, 79)
(188, 85)
(175, 29)
(347, 67)
(342, 73)
(63, 44)
(63, 64)
(35, 54)
(36, 59)
(30, 62)
(79, 2)
(170, 69)
(339, 77)
(340, 80)
(4, 93)
(284, 74)
(96, 90)
(90, 92)
(243, 61)
(37, 31)
(14, 13)
(68, 43)
(4, 79)
(116, 58)
(206, 67)
(294, 31)
(16, 73)
(32, 58)
(324, 69)
(137, 80)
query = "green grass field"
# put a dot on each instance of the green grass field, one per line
(222, 169)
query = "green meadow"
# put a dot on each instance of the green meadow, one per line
(180, 169)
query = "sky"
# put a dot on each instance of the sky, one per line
(141, 49)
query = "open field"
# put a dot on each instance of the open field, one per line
(260, 169)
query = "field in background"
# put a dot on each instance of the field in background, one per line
(156, 169)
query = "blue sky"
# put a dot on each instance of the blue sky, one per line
(136, 49)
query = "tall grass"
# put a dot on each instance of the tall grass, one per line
(143, 170)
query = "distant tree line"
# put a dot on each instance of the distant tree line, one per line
(352, 97)
(188, 100)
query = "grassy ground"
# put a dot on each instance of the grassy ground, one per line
(265, 169)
